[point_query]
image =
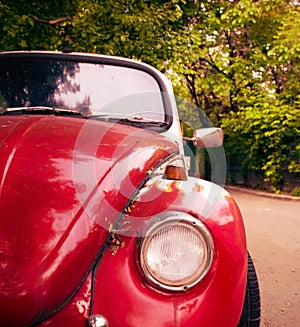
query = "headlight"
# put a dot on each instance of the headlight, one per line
(176, 252)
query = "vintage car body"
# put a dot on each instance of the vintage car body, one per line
(100, 223)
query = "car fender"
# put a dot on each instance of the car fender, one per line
(127, 299)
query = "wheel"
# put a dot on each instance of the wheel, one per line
(251, 310)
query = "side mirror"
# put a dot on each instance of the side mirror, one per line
(207, 137)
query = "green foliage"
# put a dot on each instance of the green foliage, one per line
(265, 135)
(135, 29)
(37, 24)
(238, 47)
(243, 71)
(295, 191)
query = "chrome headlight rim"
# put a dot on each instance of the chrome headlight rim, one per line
(162, 222)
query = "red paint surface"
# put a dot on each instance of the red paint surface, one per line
(63, 181)
(126, 299)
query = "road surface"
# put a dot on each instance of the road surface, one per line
(273, 233)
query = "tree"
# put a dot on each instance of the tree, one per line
(241, 66)
(264, 136)
(135, 29)
(35, 24)
(237, 48)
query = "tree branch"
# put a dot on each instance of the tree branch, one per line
(51, 22)
(192, 88)
(214, 66)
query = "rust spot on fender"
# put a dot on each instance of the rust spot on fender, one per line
(115, 243)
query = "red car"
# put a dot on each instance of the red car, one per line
(101, 222)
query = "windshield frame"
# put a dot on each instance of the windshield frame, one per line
(103, 60)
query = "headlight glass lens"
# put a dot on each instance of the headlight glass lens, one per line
(176, 252)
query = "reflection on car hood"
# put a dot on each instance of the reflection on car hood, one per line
(63, 182)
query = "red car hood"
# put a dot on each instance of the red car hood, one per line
(63, 182)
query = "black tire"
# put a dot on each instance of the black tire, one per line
(251, 311)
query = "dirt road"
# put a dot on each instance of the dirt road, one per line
(273, 231)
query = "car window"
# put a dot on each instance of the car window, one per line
(90, 88)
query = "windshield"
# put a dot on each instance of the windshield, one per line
(91, 89)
